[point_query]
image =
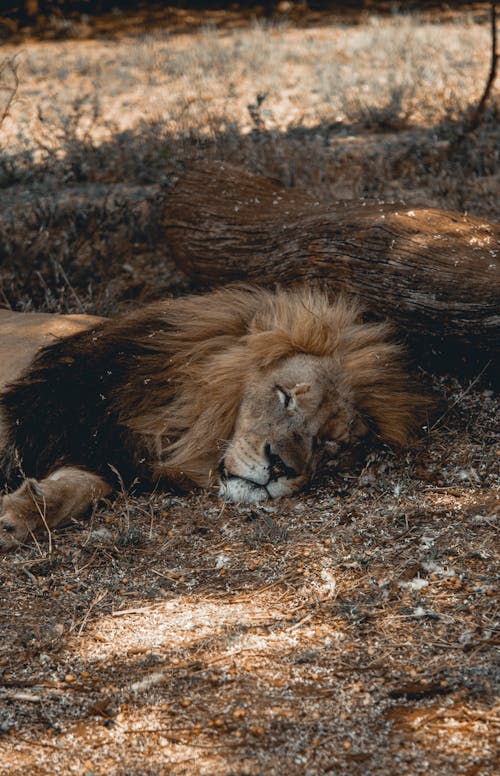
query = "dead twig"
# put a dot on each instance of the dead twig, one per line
(77, 299)
(459, 398)
(125, 612)
(23, 697)
(8, 68)
(97, 600)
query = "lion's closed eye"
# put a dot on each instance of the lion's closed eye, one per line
(295, 397)
(284, 397)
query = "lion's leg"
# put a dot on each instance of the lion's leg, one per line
(67, 492)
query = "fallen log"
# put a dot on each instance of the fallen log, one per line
(435, 273)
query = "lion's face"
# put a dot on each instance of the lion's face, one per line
(287, 418)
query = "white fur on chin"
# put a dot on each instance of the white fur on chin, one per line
(244, 492)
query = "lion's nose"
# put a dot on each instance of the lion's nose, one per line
(277, 467)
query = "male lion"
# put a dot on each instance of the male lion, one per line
(242, 384)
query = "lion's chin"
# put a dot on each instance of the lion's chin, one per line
(242, 491)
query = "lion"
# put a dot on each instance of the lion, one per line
(242, 387)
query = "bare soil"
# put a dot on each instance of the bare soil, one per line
(352, 629)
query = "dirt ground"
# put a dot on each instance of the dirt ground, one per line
(352, 629)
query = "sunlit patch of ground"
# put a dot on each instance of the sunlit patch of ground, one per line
(415, 71)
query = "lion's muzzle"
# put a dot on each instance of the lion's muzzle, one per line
(248, 476)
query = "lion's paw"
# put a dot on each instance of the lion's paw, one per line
(17, 514)
(13, 531)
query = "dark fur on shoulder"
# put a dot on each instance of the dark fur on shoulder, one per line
(66, 408)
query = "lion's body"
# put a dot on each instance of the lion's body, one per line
(180, 388)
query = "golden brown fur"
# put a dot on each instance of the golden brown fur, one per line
(160, 392)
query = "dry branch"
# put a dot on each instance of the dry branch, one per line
(436, 273)
(9, 82)
(479, 110)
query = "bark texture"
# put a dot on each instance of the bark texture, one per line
(435, 273)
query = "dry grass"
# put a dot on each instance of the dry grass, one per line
(349, 630)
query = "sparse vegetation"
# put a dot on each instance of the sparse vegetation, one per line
(350, 630)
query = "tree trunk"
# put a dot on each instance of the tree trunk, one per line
(435, 273)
